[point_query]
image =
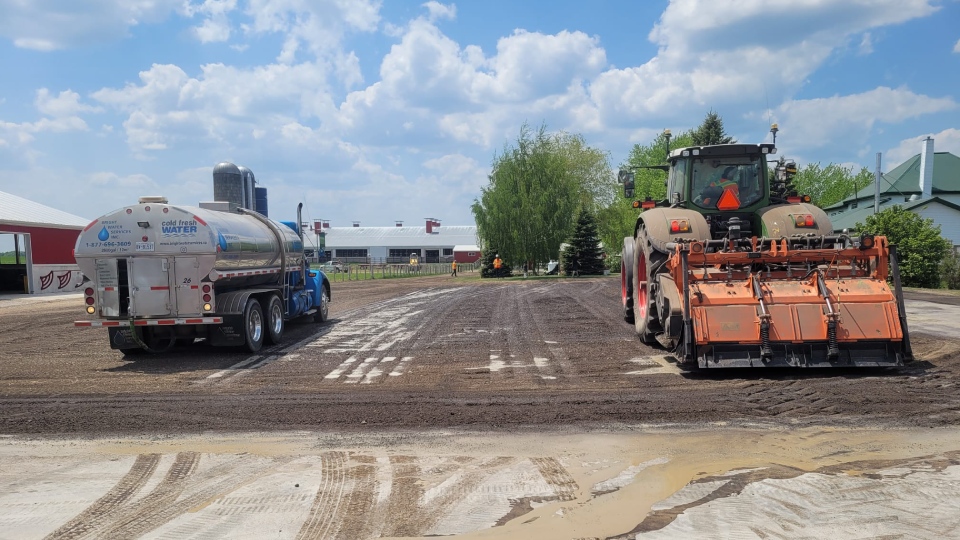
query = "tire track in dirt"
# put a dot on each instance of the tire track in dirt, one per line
(557, 476)
(324, 513)
(357, 514)
(436, 503)
(101, 509)
(405, 494)
(138, 518)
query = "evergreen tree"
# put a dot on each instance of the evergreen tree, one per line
(711, 131)
(486, 264)
(583, 252)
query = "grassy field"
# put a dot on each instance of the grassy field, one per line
(9, 257)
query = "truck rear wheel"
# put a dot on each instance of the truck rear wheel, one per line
(647, 262)
(253, 325)
(626, 279)
(275, 320)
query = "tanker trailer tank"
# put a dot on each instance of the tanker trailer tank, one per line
(160, 273)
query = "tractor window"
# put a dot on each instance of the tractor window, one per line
(712, 177)
(678, 181)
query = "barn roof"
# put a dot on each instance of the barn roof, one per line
(16, 210)
(445, 236)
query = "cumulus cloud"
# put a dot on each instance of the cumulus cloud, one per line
(697, 36)
(61, 114)
(314, 26)
(947, 140)
(852, 117)
(59, 24)
(956, 48)
(216, 24)
(222, 103)
(439, 11)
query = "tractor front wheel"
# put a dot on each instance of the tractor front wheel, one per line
(626, 279)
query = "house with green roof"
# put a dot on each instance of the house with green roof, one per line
(927, 184)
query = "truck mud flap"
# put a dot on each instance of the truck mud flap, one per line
(122, 338)
(229, 333)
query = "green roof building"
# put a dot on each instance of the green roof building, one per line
(927, 184)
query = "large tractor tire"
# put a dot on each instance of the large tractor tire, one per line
(626, 279)
(647, 263)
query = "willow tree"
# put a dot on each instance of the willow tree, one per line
(536, 187)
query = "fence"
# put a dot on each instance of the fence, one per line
(385, 270)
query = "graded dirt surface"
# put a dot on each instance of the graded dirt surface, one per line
(468, 408)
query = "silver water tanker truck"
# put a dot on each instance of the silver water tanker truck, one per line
(161, 274)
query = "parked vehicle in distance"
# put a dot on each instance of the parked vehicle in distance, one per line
(332, 267)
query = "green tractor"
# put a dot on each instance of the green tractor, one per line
(734, 269)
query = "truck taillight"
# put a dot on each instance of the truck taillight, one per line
(89, 300)
(206, 298)
(206, 287)
(88, 291)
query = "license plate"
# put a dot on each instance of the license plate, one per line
(144, 246)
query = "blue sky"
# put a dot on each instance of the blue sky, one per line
(376, 111)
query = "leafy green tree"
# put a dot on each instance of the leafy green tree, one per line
(711, 131)
(920, 246)
(950, 270)
(831, 184)
(536, 185)
(583, 252)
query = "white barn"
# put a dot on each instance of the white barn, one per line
(431, 243)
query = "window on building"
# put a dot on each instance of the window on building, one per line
(351, 253)
(447, 252)
(402, 252)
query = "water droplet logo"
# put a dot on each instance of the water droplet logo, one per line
(222, 242)
(104, 234)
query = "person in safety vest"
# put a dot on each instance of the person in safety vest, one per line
(712, 191)
(497, 264)
(453, 265)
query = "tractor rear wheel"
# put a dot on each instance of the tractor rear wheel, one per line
(626, 279)
(648, 262)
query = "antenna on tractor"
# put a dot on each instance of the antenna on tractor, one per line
(666, 135)
(774, 129)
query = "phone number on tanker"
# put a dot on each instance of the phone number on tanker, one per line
(107, 244)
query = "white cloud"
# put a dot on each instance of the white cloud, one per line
(60, 116)
(216, 25)
(814, 123)
(440, 11)
(697, 36)
(866, 44)
(67, 103)
(58, 24)
(223, 103)
(318, 25)
(947, 140)
(956, 48)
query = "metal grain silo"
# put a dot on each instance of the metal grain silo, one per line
(261, 200)
(228, 185)
(249, 181)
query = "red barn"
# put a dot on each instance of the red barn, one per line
(36, 247)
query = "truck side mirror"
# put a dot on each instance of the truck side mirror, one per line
(626, 178)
